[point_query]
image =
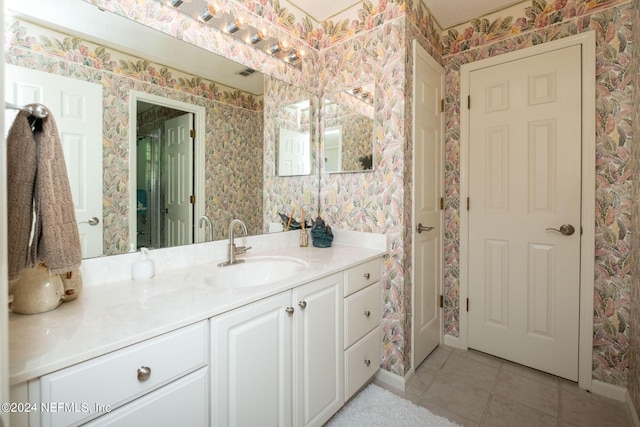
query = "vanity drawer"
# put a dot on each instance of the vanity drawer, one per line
(361, 313)
(356, 369)
(361, 276)
(88, 388)
(180, 403)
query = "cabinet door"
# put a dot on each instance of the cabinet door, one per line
(251, 364)
(319, 362)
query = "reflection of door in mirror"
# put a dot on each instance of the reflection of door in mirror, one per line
(293, 153)
(293, 136)
(164, 176)
(333, 149)
(77, 108)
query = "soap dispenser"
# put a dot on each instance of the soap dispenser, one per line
(143, 268)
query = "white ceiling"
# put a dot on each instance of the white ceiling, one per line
(447, 13)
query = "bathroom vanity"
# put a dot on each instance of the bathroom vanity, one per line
(187, 348)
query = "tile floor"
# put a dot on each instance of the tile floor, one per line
(476, 389)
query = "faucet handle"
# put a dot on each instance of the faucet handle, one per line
(242, 249)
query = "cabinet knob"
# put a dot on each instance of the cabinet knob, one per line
(367, 276)
(367, 362)
(302, 304)
(290, 310)
(144, 372)
(367, 313)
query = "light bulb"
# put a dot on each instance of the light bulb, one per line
(233, 26)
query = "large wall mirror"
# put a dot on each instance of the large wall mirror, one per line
(152, 84)
(349, 130)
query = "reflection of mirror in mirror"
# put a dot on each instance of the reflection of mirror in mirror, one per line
(293, 133)
(349, 130)
(121, 56)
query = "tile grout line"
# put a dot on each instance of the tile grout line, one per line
(559, 403)
(493, 390)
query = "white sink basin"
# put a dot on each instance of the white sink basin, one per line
(254, 271)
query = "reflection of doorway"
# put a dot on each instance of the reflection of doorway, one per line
(167, 187)
(333, 149)
(164, 175)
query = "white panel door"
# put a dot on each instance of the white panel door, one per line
(524, 181)
(179, 180)
(427, 247)
(293, 153)
(251, 365)
(77, 108)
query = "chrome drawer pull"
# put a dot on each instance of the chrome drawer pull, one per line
(367, 276)
(144, 372)
(367, 362)
(302, 304)
(367, 313)
(289, 310)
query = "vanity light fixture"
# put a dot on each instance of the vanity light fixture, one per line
(278, 47)
(294, 55)
(239, 26)
(258, 36)
(234, 26)
(208, 12)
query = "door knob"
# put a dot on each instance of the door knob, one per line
(94, 220)
(565, 229)
(422, 228)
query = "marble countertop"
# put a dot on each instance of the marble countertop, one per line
(107, 317)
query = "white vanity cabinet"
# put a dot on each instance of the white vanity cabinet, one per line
(128, 384)
(362, 316)
(278, 361)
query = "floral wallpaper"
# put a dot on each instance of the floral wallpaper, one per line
(634, 321)
(372, 42)
(357, 136)
(233, 125)
(612, 23)
(286, 194)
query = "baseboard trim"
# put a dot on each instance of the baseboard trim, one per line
(632, 410)
(609, 390)
(394, 381)
(451, 341)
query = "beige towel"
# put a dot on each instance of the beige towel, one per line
(55, 232)
(21, 175)
(56, 241)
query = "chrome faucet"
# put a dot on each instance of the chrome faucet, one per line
(209, 230)
(232, 250)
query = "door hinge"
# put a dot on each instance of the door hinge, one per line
(468, 203)
(192, 133)
(467, 304)
(442, 105)
(441, 203)
(441, 301)
(469, 102)
(192, 199)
